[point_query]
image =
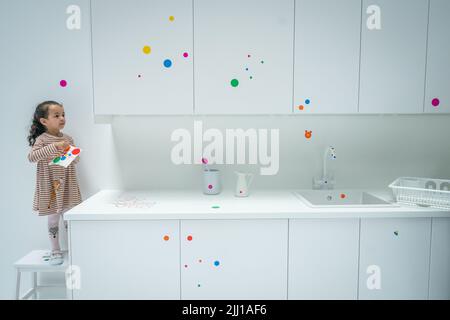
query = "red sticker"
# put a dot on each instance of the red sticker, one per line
(76, 151)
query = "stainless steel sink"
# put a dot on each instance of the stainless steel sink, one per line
(340, 198)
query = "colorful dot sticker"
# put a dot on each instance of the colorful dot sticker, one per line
(251, 77)
(343, 196)
(435, 102)
(76, 151)
(171, 18)
(63, 83)
(56, 160)
(189, 238)
(307, 101)
(216, 263)
(308, 134)
(167, 63)
(210, 186)
(215, 207)
(185, 266)
(234, 82)
(204, 161)
(146, 49)
(396, 233)
(166, 238)
(301, 107)
(185, 54)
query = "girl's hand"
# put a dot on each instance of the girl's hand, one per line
(62, 145)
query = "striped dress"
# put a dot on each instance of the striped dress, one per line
(57, 187)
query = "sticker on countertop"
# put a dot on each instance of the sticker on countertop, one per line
(308, 134)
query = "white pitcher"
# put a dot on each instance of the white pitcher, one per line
(243, 184)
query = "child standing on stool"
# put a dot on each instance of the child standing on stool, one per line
(57, 187)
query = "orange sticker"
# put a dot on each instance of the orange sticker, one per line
(300, 107)
(308, 134)
(166, 238)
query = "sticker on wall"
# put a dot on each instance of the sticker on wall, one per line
(171, 18)
(70, 154)
(146, 49)
(167, 63)
(435, 102)
(185, 54)
(216, 263)
(63, 83)
(234, 82)
(308, 134)
(166, 238)
(301, 107)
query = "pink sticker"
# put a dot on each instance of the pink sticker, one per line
(210, 186)
(185, 55)
(63, 83)
(435, 102)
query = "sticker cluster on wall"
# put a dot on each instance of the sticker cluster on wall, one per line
(249, 67)
(167, 62)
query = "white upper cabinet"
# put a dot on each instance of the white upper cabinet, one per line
(327, 51)
(142, 56)
(393, 55)
(437, 94)
(243, 56)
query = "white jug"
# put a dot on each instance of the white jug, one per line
(242, 184)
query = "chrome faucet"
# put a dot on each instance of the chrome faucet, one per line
(326, 181)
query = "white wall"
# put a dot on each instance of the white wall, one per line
(134, 152)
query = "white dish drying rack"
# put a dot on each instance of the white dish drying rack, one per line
(422, 192)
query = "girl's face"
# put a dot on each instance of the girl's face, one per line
(55, 120)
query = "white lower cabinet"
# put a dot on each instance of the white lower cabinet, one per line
(440, 259)
(234, 259)
(323, 258)
(125, 259)
(394, 258)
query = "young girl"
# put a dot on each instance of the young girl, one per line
(56, 187)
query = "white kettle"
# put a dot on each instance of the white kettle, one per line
(244, 180)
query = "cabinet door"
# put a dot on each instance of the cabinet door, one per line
(440, 259)
(142, 56)
(243, 56)
(323, 259)
(126, 259)
(233, 259)
(394, 258)
(327, 50)
(393, 57)
(437, 94)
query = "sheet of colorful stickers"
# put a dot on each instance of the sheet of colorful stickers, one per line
(70, 154)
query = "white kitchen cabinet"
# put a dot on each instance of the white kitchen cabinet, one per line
(392, 73)
(126, 259)
(394, 258)
(234, 259)
(437, 94)
(327, 51)
(142, 57)
(323, 259)
(243, 56)
(440, 259)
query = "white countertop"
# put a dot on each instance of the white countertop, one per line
(192, 204)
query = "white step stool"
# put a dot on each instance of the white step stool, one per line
(35, 262)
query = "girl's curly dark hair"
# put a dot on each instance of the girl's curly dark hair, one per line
(37, 128)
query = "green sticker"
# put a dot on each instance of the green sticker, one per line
(56, 159)
(215, 207)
